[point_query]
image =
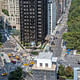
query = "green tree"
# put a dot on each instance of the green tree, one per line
(61, 70)
(16, 75)
(5, 12)
(72, 37)
(69, 72)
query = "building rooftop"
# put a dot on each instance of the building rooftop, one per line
(54, 59)
(76, 73)
(53, 68)
(45, 55)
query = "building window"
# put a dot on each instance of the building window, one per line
(39, 1)
(46, 64)
(40, 64)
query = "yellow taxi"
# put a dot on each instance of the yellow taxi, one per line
(17, 57)
(4, 74)
(26, 64)
(31, 62)
(9, 54)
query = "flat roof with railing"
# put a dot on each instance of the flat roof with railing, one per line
(53, 68)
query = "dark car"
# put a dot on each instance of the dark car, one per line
(57, 32)
(30, 65)
(14, 62)
(78, 62)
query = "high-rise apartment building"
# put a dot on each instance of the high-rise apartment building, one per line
(14, 17)
(45, 67)
(1, 6)
(12, 6)
(51, 16)
(33, 20)
(5, 4)
(1, 21)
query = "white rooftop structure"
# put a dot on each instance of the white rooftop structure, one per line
(45, 55)
(45, 61)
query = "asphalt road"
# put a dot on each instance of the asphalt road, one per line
(62, 27)
(57, 48)
(2, 77)
(70, 60)
(9, 46)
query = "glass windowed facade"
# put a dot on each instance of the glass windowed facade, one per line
(33, 20)
(51, 16)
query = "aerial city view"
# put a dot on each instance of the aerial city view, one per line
(39, 39)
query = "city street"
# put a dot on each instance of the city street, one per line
(61, 28)
(70, 60)
(13, 48)
(2, 77)
(67, 60)
(28, 28)
(57, 49)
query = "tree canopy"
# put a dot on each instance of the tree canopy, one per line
(16, 75)
(72, 37)
(68, 71)
(72, 40)
(5, 11)
(65, 72)
(61, 70)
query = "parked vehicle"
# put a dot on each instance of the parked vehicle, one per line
(57, 32)
(14, 62)
(78, 62)
(26, 64)
(31, 62)
(4, 74)
(30, 65)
